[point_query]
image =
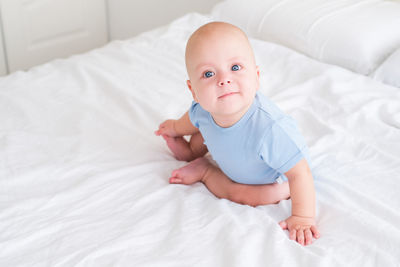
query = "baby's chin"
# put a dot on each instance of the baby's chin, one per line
(229, 110)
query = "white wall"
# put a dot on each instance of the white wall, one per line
(128, 18)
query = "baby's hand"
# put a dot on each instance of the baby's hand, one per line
(167, 128)
(301, 229)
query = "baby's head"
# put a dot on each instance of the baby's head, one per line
(223, 76)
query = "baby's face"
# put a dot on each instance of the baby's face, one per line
(222, 71)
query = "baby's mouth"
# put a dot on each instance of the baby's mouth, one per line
(227, 94)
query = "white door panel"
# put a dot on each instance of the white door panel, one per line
(37, 31)
(3, 68)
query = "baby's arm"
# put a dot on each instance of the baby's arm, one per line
(180, 127)
(173, 131)
(301, 224)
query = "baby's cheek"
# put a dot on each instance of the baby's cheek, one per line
(207, 105)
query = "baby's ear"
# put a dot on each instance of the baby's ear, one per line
(189, 84)
(258, 77)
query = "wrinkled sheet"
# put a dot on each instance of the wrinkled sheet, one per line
(84, 181)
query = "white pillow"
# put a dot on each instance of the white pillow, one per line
(389, 71)
(355, 34)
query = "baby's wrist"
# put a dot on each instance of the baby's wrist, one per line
(303, 211)
(302, 216)
(174, 127)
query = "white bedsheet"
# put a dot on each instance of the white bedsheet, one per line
(84, 181)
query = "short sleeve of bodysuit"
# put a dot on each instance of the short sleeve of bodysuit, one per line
(283, 146)
(197, 115)
(193, 113)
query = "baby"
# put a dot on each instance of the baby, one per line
(252, 140)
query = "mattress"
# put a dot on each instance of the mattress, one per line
(84, 180)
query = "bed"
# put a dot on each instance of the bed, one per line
(84, 181)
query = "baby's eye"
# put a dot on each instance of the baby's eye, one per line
(235, 67)
(208, 74)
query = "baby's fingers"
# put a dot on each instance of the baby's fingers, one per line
(315, 231)
(308, 236)
(283, 225)
(160, 130)
(292, 234)
(300, 237)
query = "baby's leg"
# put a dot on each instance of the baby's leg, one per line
(184, 150)
(201, 170)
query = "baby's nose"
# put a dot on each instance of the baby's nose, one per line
(224, 82)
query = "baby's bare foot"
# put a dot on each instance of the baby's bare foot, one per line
(180, 147)
(191, 173)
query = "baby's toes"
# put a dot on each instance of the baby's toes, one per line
(175, 180)
(175, 173)
(176, 177)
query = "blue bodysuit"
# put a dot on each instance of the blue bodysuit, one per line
(263, 145)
